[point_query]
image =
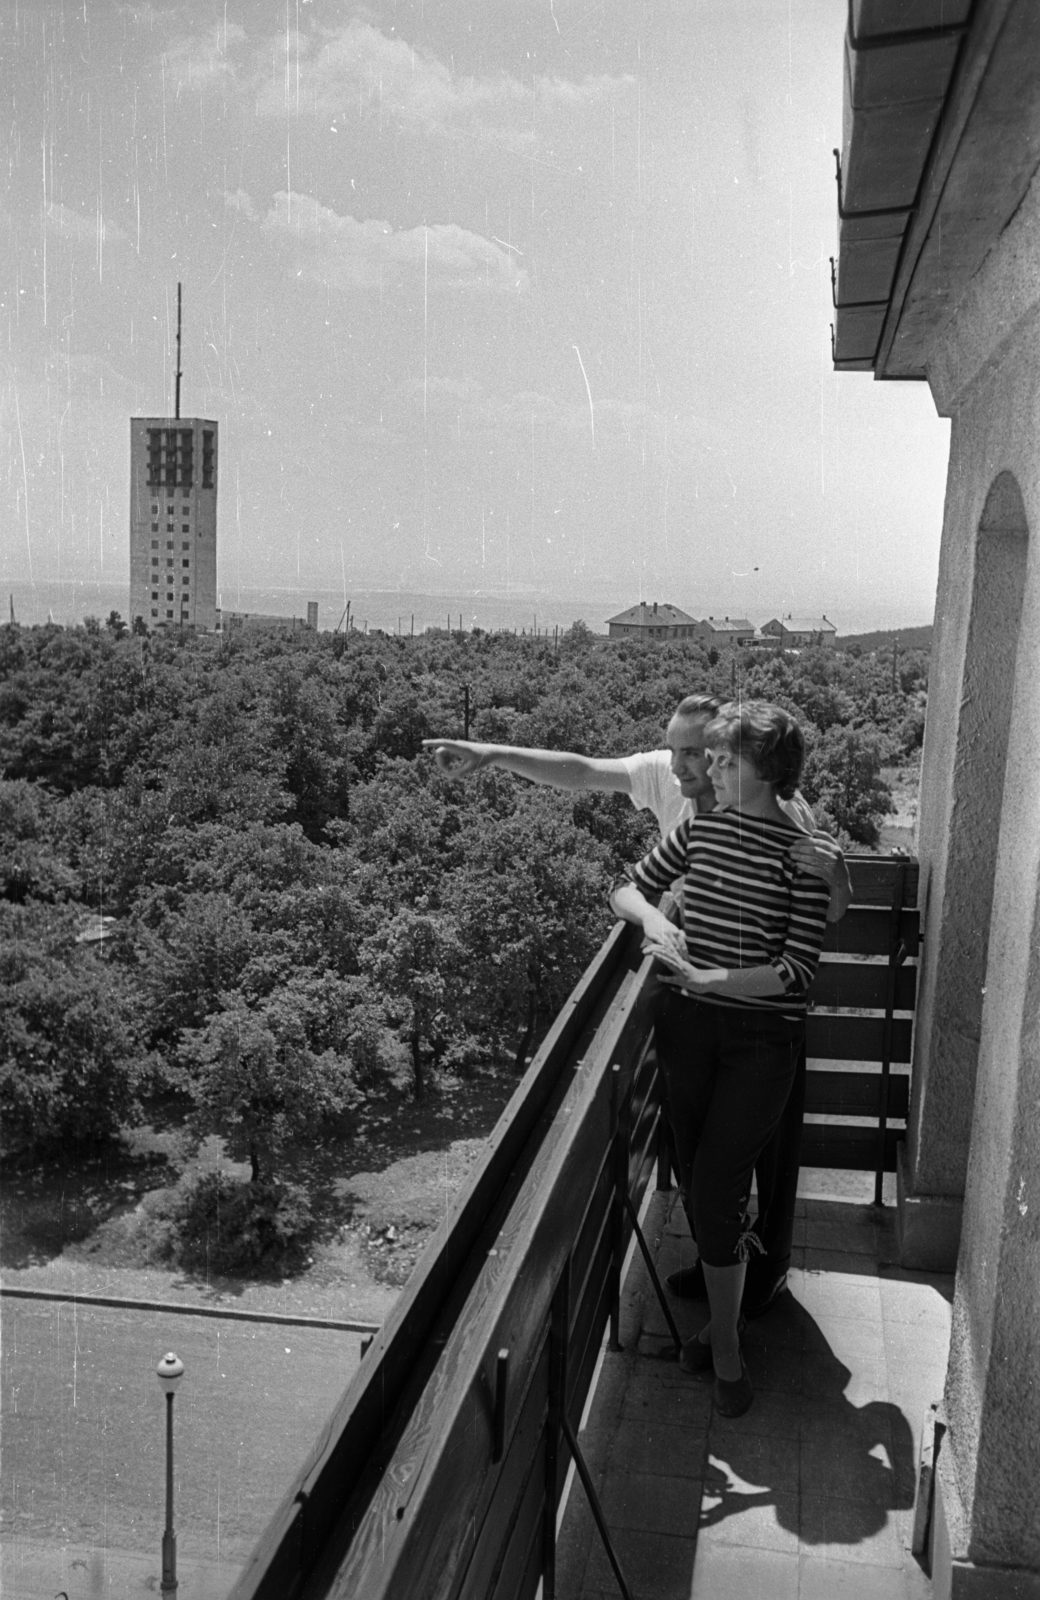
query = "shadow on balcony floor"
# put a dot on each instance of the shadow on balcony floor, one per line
(811, 1493)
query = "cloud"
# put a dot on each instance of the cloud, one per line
(70, 224)
(240, 202)
(198, 61)
(358, 68)
(349, 253)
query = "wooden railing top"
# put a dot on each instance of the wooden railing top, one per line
(346, 1463)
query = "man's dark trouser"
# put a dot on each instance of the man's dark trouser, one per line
(776, 1179)
(776, 1175)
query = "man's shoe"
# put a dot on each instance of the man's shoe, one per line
(733, 1397)
(688, 1283)
(695, 1355)
(759, 1297)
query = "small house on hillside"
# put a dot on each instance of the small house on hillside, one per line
(798, 633)
(655, 621)
(726, 631)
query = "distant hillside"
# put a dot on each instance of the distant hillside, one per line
(909, 639)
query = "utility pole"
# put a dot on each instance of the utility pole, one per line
(895, 657)
(465, 711)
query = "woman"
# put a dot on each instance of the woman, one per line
(728, 1033)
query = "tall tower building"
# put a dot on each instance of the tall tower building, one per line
(173, 521)
(173, 516)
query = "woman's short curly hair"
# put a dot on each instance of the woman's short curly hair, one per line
(769, 737)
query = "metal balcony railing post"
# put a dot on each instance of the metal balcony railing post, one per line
(559, 1338)
(558, 1430)
(619, 1140)
(665, 1162)
(896, 957)
(654, 1279)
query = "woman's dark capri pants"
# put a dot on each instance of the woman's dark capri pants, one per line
(727, 1072)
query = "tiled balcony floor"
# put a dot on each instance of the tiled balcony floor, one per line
(811, 1493)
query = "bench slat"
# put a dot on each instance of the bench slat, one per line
(874, 878)
(829, 1038)
(855, 1094)
(854, 984)
(866, 930)
(849, 1149)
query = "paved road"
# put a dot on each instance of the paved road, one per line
(82, 1467)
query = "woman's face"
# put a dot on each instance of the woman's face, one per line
(734, 779)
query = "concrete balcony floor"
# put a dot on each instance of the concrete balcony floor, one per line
(811, 1493)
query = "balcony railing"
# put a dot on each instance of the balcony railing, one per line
(440, 1472)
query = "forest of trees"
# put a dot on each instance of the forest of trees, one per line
(306, 910)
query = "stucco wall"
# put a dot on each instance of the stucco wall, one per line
(981, 590)
(986, 375)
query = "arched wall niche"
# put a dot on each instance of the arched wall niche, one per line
(987, 692)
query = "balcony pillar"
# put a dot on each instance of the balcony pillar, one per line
(974, 1133)
(986, 1525)
(982, 574)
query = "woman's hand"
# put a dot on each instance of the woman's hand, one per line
(662, 934)
(687, 979)
(681, 974)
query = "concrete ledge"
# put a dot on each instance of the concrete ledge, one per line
(928, 1226)
(954, 1576)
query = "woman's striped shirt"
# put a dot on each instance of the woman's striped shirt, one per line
(745, 902)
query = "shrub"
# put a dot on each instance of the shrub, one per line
(842, 781)
(225, 1225)
(71, 1069)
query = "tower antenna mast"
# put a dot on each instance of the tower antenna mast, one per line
(177, 391)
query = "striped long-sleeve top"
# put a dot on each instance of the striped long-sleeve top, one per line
(745, 902)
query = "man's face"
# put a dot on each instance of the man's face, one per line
(685, 739)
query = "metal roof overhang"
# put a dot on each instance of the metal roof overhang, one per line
(940, 140)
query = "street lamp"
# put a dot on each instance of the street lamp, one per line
(169, 1372)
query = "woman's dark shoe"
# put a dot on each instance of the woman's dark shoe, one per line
(733, 1398)
(688, 1283)
(695, 1355)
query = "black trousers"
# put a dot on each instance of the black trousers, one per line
(727, 1075)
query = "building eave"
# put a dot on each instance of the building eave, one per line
(940, 144)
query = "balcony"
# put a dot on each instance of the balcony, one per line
(520, 1424)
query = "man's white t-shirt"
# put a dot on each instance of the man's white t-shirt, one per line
(654, 787)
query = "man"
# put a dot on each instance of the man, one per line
(672, 783)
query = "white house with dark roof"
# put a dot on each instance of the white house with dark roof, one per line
(799, 633)
(726, 630)
(646, 621)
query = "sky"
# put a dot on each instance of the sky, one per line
(497, 296)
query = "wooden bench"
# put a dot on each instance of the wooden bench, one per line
(862, 1004)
